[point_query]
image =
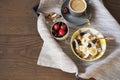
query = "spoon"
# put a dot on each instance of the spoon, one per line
(107, 38)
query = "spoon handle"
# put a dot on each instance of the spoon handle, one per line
(107, 38)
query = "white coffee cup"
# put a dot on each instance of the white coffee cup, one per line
(77, 7)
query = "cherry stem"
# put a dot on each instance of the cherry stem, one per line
(62, 23)
(59, 23)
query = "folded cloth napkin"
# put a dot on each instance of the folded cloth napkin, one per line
(51, 54)
(107, 68)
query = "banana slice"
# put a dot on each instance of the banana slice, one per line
(86, 55)
(83, 49)
(85, 41)
(86, 35)
(93, 51)
(76, 44)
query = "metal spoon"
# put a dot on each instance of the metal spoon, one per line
(107, 38)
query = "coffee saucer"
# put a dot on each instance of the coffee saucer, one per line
(77, 21)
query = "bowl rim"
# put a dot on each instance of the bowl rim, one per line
(103, 40)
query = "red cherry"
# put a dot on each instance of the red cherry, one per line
(61, 32)
(63, 27)
(65, 10)
(56, 27)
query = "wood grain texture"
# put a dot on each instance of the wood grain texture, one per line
(20, 43)
(114, 8)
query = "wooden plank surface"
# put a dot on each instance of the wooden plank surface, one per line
(20, 43)
(114, 7)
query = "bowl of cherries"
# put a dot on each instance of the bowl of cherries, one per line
(60, 30)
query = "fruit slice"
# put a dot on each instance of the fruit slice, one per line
(93, 51)
(65, 10)
(76, 44)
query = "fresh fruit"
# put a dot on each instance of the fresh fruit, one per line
(65, 10)
(94, 41)
(82, 33)
(61, 32)
(79, 42)
(56, 27)
(59, 29)
(89, 45)
(63, 27)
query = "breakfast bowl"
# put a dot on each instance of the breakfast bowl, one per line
(60, 30)
(88, 44)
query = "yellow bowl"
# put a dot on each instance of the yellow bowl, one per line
(94, 32)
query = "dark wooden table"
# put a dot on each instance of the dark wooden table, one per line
(20, 43)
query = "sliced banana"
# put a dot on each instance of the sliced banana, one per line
(76, 44)
(85, 41)
(83, 49)
(93, 51)
(86, 35)
(86, 55)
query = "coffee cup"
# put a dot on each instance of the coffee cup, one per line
(77, 7)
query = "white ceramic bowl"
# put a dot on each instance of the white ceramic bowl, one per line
(62, 37)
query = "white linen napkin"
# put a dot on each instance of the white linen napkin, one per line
(51, 54)
(108, 68)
